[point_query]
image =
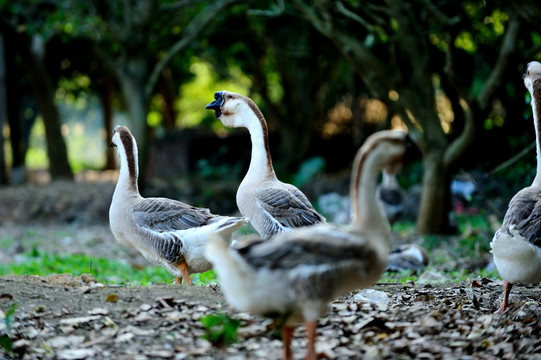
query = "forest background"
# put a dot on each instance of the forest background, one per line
(325, 73)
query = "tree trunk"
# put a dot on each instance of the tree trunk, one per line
(106, 99)
(132, 84)
(3, 113)
(433, 215)
(59, 167)
(169, 95)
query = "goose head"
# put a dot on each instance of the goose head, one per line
(235, 110)
(387, 149)
(531, 76)
(126, 146)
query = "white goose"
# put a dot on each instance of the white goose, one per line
(270, 205)
(293, 275)
(167, 232)
(516, 245)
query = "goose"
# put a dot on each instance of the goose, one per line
(293, 275)
(270, 205)
(516, 245)
(408, 257)
(166, 232)
(391, 197)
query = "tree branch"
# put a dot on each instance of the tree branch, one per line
(188, 35)
(438, 15)
(351, 15)
(506, 50)
(276, 10)
(458, 146)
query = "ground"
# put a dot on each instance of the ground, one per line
(67, 317)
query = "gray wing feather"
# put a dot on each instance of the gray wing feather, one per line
(160, 214)
(288, 251)
(288, 207)
(314, 265)
(525, 213)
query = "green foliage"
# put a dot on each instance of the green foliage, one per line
(308, 169)
(198, 92)
(209, 171)
(104, 270)
(447, 252)
(205, 278)
(220, 329)
(5, 339)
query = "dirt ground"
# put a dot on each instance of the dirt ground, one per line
(67, 317)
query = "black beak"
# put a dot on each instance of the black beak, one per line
(526, 72)
(216, 105)
(112, 144)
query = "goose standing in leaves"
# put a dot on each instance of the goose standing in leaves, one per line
(270, 205)
(294, 275)
(166, 232)
(516, 245)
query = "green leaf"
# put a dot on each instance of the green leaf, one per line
(220, 329)
(6, 343)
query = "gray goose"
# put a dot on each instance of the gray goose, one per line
(516, 245)
(167, 232)
(270, 205)
(408, 257)
(294, 274)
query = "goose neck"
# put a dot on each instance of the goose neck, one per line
(260, 162)
(129, 173)
(367, 213)
(536, 109)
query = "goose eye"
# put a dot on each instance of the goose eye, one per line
(230, 96)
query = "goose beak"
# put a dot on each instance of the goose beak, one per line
(526, 71)
(216, 105)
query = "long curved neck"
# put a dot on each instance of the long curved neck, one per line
(260, 162)
(536, 109)
(129, 170)
(367, 214)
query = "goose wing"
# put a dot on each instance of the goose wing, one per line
(287, 207)
(162, 215)
(524, 213)
(316, 259)
(158, 220)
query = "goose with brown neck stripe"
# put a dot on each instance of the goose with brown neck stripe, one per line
(166, 232)
(294, 274)
(270, 205)
(516, 245)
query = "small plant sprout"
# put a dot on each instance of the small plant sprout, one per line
(5, 330)
(220, 330)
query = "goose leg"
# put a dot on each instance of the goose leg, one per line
(311, 327)
(506, 290)
(287, 334)
(185, 274)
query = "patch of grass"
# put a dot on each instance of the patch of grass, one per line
(104, 270)
(398, 277)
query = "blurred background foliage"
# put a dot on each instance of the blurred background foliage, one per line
(325, 73)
